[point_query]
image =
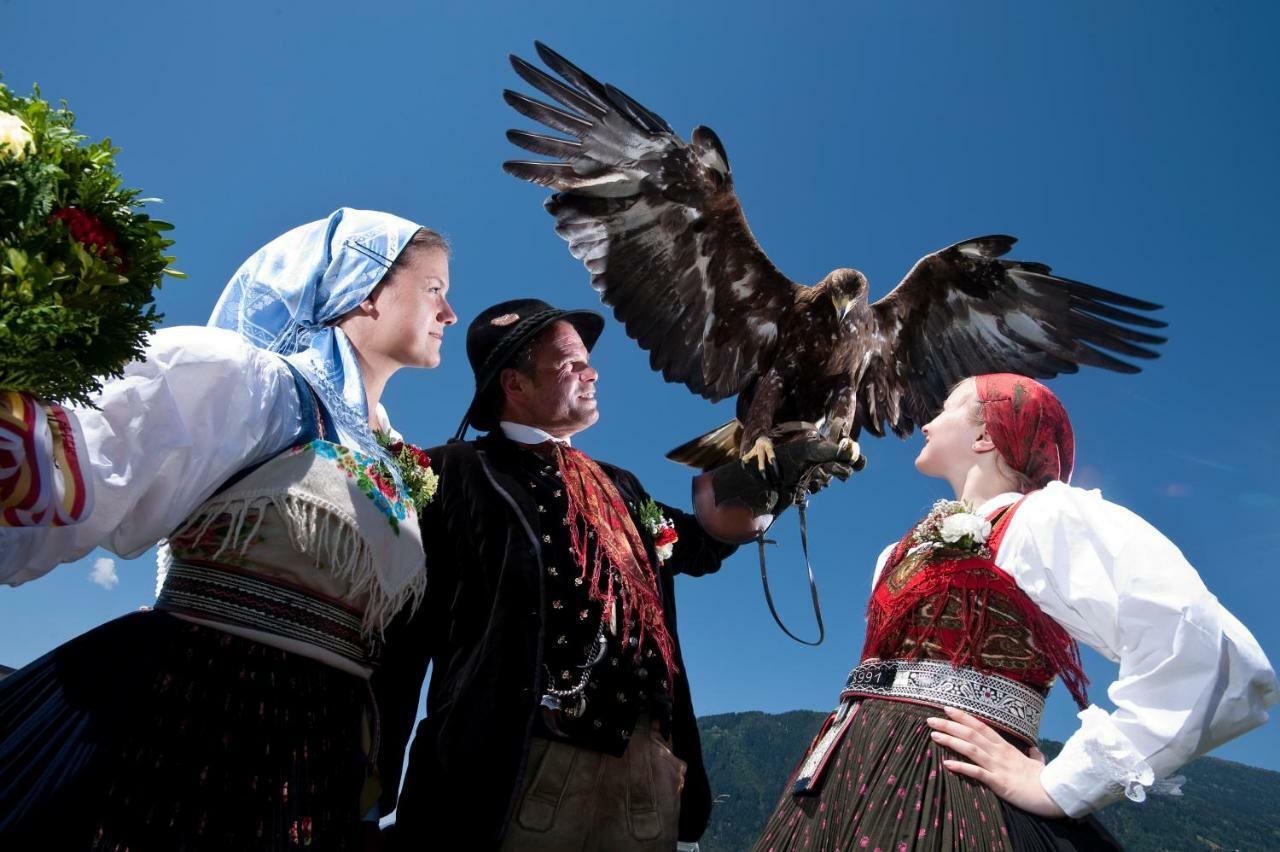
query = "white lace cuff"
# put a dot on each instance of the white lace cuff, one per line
(1097, 766)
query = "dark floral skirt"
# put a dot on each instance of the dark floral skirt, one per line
(885, 788)
(152, 733)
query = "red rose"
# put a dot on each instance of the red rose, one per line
(665, 536)
(420, 456)
(89, 231)
(395, 447)
(388, 489)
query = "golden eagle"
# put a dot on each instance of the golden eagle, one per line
(657, 223)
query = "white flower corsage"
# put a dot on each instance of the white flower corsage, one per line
(953, 525)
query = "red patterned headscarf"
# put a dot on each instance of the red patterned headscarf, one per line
(1029, 427)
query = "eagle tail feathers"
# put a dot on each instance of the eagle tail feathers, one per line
(711, 450)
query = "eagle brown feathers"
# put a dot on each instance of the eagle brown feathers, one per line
(658, 225)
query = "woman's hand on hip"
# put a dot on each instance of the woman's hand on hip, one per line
(991, 760)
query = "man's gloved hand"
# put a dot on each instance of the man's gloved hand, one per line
(769, 493)
(814, 462)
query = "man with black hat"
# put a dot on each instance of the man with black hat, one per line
(558, 713)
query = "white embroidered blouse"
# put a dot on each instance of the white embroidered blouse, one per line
(201, 406)
(1191, 676)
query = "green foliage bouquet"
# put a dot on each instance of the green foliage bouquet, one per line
(78, 258)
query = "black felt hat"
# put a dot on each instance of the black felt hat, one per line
(498, 334)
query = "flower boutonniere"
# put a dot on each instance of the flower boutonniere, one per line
(415, 469)
(953, 525)
(660, 527)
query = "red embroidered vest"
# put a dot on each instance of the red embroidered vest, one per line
(962, 609)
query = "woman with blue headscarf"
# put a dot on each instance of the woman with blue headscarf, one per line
(235, 714)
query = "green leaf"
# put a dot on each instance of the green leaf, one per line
(72, 315)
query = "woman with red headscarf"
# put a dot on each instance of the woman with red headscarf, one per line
(973, 615)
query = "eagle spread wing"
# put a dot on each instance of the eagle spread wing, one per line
(965, 310)
(658, 225)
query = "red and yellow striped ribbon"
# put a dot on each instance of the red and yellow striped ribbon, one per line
(42, 464)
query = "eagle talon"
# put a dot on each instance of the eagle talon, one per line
(848, 450)
(762, 452)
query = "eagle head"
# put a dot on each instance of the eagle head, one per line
(845, 288)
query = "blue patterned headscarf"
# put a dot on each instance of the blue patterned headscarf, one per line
(287, 295)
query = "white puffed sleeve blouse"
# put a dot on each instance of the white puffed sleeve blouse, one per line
(200, 406)
(1191, 675)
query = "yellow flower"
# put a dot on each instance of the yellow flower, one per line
(15, 138)
(429, 483)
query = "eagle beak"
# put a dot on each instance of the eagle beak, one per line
(843, 306)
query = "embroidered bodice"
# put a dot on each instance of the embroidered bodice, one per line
(931, 602)
(320, 517)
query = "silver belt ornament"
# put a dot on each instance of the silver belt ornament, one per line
(999, 701)
(1005, 703)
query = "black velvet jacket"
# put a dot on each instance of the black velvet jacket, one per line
(482, 627)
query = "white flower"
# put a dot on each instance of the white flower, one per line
(955, 527)
(15, 138)
(948, 507)
(665, 551)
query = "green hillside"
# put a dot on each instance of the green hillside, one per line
(1226, 805)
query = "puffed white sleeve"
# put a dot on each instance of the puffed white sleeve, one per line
(1191, 676)
(200, 406)
(881, 561)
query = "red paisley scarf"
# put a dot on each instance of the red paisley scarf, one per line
(595, 506)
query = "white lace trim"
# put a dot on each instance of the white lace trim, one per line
(1111, 751)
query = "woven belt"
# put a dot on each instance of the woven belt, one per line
(232, 596)
(1006, 704)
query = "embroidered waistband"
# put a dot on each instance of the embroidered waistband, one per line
(231, 596)
(1004, 703)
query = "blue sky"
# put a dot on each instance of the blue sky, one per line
(1128, 145)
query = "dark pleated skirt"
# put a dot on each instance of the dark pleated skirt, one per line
(152, 733)
(885, 788)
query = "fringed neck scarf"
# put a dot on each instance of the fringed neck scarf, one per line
(595, 506)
